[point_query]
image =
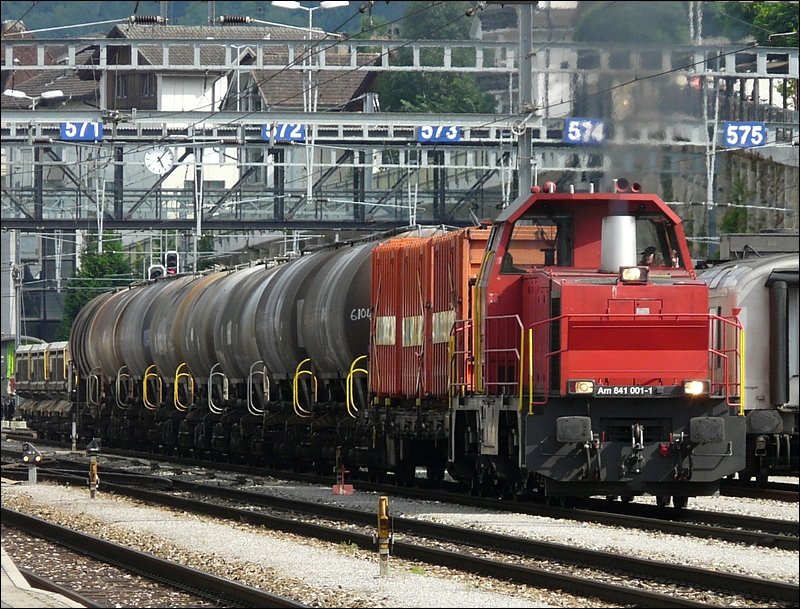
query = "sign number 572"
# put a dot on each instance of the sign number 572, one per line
(744, 135)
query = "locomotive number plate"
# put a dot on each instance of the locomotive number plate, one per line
(611, 391)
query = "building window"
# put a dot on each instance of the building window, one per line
(121, 85)
(148, 85)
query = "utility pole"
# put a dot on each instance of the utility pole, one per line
(525, 142)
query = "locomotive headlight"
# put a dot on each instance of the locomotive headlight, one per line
(694, 387)
(633, 274)
(581, 387)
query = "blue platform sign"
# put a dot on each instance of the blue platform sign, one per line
(744, 135)
(82, 132)
(584, 131)
(442, 134)
(284, 132)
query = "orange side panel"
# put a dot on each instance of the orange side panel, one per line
(423, 285)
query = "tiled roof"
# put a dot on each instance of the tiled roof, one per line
(23, 55)
(184, 55)
(77, 92)
(279, 88)
(284, 88)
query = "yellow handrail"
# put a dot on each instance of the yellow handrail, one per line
(479, 320)
(298, 409)
(212, 407)
(521, 369)
(93, 387)
(176, 399)
(349, 402)
(126, 378)
(530, 371)
(742, 359)
(145, 398)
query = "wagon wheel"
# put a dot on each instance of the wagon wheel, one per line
(663, 500)
(680, 502)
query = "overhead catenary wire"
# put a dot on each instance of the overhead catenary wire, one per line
(619, 85)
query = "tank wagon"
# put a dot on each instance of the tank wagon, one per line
(532, 352)
(765, 292)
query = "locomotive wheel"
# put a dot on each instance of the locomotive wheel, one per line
(663, 500)
(376, 474)
(680, 502)
(559, 502)
(405, 473)
(474, 486)
(435, 473)
(507, 491)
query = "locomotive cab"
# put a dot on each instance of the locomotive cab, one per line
(604, 356)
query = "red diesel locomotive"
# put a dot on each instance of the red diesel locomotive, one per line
(542, 351)
(566, 365)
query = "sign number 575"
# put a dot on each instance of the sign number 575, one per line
(745, 135)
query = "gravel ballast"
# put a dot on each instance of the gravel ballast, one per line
(325, 574)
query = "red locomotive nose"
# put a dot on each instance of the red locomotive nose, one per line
(663, 449)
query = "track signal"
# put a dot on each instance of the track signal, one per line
(156, 271)
(30, 454)
(171, 262)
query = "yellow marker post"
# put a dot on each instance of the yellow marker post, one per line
(384, 535)
(94, 479)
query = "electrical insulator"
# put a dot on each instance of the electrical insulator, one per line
(147, 19)
(231, 19)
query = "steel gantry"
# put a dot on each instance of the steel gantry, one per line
(366, 170)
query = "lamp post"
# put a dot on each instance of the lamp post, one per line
(309, 93)
(55, 94)
(310, 90)
(292, 4)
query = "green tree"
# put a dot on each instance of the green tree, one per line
(433, 92)
(772, 24)
(99, 273)
(205, 250)
(735, 219)
(759, 20)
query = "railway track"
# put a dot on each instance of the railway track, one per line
(504, 557)
(88, 581)
(774, 491)
(735, 528)
(202, 585)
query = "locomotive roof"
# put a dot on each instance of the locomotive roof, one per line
(623, 202)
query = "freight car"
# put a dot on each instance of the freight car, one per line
(530, 353)
(765, 292)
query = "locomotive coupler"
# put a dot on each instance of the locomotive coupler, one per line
(682, 449)
(592, 448)
(761, 446)
(637, 448)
